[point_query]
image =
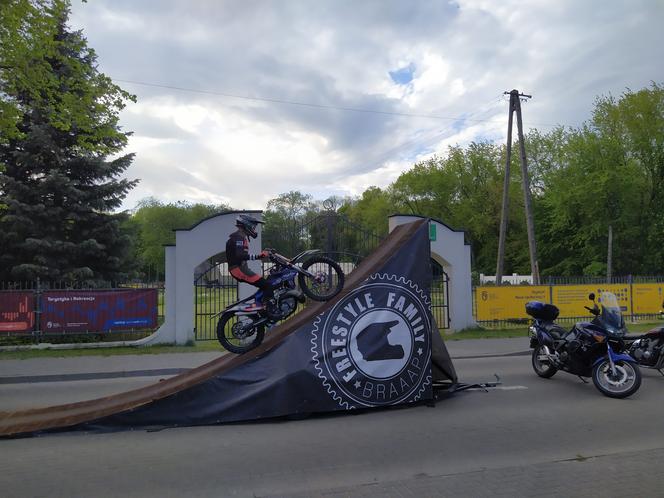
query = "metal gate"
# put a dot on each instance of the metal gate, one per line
(332, 233)
(440, 303)
(214, 290)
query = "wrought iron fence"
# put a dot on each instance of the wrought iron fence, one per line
(619, 279)
(333, 234)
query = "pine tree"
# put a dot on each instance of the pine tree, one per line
(59, 188)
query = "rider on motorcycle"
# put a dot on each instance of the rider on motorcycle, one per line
(237, 255)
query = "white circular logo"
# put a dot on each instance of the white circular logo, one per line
(374, 347)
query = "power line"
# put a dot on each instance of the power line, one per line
(315, 106)
(425, 141)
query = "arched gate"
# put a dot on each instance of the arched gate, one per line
(332, 233)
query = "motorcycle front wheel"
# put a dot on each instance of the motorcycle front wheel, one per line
(237, 334)
(623, 383)
(542, 366)
(328, 278)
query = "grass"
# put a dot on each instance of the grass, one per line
(483, 333)
(198, 347)
(213, 346)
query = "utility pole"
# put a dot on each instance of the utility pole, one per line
(506, 199)
(515, 106)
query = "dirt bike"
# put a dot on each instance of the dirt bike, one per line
(590, 349)
(320, 278)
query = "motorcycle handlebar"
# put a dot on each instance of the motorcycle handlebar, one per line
(276, 257)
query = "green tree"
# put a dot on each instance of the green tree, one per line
(284, 218)
(371, 210)
(606, 172)
(464, 189)
(26, 38)
(636, 120)
(59, 187)
(154, 223)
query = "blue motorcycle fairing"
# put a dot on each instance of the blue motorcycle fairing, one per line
(275, 279)
(614, 357)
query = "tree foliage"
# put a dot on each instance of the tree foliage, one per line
(154, 222)
(607, 172)
(58, 187)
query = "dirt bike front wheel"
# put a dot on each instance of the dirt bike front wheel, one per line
(327, 281)
(237, 334)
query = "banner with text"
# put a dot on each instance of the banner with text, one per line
(509, 302)
(648, 298)
(98, 311)
(17, 311)
(571, 299)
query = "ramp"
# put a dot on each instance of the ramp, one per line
(308, 364)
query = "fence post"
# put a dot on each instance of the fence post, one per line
(631, 296)
(38, 311)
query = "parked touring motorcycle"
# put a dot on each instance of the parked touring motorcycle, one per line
(594, 349)
(648, 349)
(320, 278)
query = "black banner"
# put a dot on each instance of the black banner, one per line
(371, 349)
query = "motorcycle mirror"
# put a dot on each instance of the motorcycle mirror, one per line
(591, 296)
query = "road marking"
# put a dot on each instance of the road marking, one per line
(500, 388)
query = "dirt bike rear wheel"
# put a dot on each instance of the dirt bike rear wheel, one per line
(328, 278)
(236, 334)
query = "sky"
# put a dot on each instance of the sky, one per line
(239, 101)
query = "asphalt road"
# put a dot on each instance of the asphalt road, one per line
(527, 437)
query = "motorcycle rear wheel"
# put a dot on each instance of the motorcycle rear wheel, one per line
(542, 368)
(236, 335)
(625, 383)
(328, 281)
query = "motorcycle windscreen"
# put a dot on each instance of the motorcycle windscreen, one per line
(611, 313)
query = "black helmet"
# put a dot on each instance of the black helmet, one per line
(247, 224)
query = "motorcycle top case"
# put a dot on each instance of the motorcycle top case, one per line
(542, 311)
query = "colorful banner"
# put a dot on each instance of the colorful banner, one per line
(648, 299)
(98, 311)
(571, 299)
(508, 302)
(17, 311)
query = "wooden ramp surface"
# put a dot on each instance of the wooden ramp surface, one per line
(67, 415)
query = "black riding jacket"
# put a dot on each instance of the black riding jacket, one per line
(237, 249)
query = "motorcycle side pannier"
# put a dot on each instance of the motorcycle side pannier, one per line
(542, 311)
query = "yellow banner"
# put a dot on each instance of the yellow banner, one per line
(571, 299)
(648, 298)
(501, 303)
